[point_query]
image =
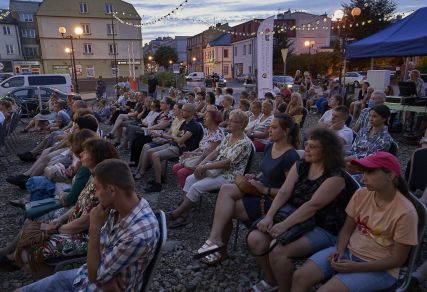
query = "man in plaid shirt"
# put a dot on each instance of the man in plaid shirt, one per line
(123, 236)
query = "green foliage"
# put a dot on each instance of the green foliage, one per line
(165, 54)
(422, 64)
(371, 10)
(166, 79)
(320, 63)
(280, 42)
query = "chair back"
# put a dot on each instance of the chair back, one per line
(417, 172)
(251, 158)
(348, 121)
(304, 116)
(394, 148)
(351, 184)
(415, 250)
(149, 271)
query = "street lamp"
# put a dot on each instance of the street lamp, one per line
(194, 65)
(68, 51)
(309, 45)
(78, 31)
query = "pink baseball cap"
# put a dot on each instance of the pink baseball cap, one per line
(379, 159)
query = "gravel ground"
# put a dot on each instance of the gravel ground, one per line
(177, 270)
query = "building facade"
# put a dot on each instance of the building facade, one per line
(10, 45)
(103, 40)
(217, 57)
(25, 13)
(198, 42)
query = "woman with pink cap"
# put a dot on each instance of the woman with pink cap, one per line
(380, 229)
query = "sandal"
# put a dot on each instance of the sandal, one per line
(179, 221)
(214, 258)
(207, 249)
(262, 286)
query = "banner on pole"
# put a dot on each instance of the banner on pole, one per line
(265, 57)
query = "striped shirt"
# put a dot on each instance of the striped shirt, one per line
(127, 248)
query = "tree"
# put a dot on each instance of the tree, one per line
(281, 41)
(164, 55)
(374, 16)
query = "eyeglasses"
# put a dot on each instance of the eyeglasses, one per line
(311, 146)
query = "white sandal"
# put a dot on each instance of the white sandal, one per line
(262, 286)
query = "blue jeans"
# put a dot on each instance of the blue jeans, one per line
(60, 281)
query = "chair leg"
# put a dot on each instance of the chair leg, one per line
(236, 235)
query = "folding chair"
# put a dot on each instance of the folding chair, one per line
(394, 148)
(417, 172)
(149, 271)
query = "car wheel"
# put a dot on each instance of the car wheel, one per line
(356, 83)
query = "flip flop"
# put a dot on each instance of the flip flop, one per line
(214, 258)
(179, 221)
(208, 248)
(262, 286)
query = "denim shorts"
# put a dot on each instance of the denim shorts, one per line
(369, 281)
(60, 281)
(319, 239)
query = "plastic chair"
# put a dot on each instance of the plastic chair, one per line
(394, 148)
(417, 172)
(149, 271)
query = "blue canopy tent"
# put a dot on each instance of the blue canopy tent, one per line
(407, 37)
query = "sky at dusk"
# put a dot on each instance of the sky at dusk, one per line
(198, 15)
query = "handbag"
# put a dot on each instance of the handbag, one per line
(191, 162)
(38, 208)
(246, 187)
(290, 235)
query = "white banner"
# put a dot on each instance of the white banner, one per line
(265, 57)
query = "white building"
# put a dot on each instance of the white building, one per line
(217, 57)
(94, 50)
(10, 46)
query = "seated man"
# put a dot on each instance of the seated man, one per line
(377, 97)
(123, 236)
(339, 116)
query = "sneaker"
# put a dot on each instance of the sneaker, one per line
(154, 188)
(18, 180)
(19, 203)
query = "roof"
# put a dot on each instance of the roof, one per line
(96, 9)
(403, 38)
(222, 40)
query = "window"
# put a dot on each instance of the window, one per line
(85, 28)
(108, 8)
(30, 51)
(225, 53)
(112, 49)
(6, 29)
(111, 28)
(90, 71)
(16, 82)
(250, 49)
(235, 51)
(83, 7)
(46, 80)
(9, 49)
(28, 33)
(244, 49)
(225, 70)
(23, 93)
(87, 49)
(26, 17)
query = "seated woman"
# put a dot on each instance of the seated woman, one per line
(212, 136)
(62, 119)
(311, 98)
(373, 138)
(34, 124)
(142, 136)
(209, 105)
(5, 109)
(68, 233)
(333, 102)
(279, 157)
(144, 158)
(357, 105)
(227, 107)
(375, 241)
(255, 115)
(227, 160)
(295, 107)
(315, 187)
(259, 131)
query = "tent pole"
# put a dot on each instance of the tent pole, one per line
(406, 68)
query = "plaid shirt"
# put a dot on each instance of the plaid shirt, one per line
(126, 249)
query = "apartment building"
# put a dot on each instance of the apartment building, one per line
(10, 46)
(217, 56)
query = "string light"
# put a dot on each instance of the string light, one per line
(4, 14)
(151, 22)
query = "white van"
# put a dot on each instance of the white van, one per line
(58, 81)
(195, 76)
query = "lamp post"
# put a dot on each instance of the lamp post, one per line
(309, 45)
(78, 31)
(116, 70)
(194, 65)
(68, 51)
(150, 58)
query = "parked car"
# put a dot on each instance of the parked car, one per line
(195, 76)
(61, 82)
(28, 97)
(282, 80)
(352, 78)
(4, 76)
(242, 78)
(222, 81)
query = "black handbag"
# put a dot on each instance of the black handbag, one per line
(290, 235)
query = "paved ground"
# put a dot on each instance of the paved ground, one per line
(177, 270)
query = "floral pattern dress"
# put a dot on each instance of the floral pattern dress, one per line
(60, 245)
(238, 153)
(367, 143)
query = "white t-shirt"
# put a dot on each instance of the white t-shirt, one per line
(327, 117)
(219, 99)
(347, 134)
